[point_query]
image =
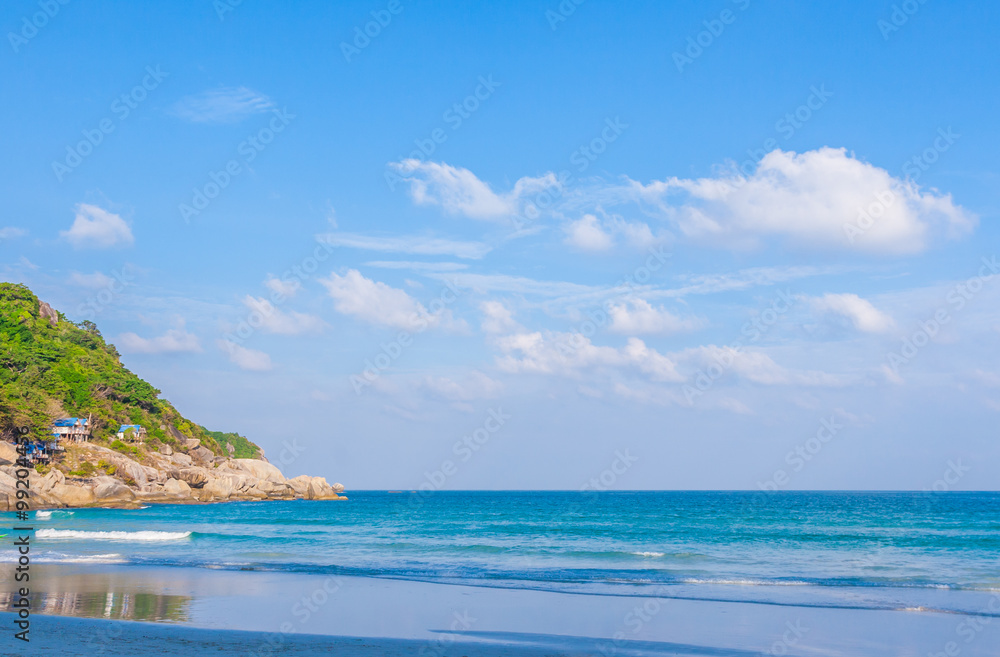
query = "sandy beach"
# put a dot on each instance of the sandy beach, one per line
(199, 611)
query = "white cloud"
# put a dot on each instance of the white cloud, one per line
(861, 313)
(810, 199)
(377, 303)
(572, 354)
(516, 284)
(475, 385)
(285, 288)
(96, 228)
(272, 320)
(95, 281)
(744, 279)
(250, 360)
(592, 234)
(173, 341)
(223, 105)
(587, 234)
(407, 244)
(418, 266)
(459, 191)
(11, 232)
(754, 366)
(497, 318)
(638, 317)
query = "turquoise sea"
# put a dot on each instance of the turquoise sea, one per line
(880, 550)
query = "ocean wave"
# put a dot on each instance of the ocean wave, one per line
(648, 554)
(43, 515)
(128, 537)
(746, 582)
(84, 558)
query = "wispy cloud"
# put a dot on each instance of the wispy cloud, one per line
(173, 341)
(11, 232)
(589, 233)
(573, 355)
(272, 320)
(96, 280)
(222, 105)
(744, 279)
(418, 266)
(415, 244)
(96, 228)
(860, 312)
(638, 317)
(376, 303)
(516, 284)
(244, 358)
(459, 191)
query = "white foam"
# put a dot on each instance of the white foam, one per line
(112, 536)
(43, 515)
(85, 558)
(648, 554)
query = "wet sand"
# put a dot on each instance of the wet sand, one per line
(92, 610)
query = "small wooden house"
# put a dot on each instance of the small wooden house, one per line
(136, 432)
(76, 429)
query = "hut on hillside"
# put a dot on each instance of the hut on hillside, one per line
(135, 432)
(76, 429)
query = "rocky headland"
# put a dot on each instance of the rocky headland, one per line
(166, 476)
(123, 444)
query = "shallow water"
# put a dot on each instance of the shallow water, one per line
(841, 550)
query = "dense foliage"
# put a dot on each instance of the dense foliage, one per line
(242, 448)
(68, 369)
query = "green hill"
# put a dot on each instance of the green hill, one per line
(51, 367)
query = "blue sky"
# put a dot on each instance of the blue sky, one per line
(741, 243)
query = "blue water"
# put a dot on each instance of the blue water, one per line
(936, 551)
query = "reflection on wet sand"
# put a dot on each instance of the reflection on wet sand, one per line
(115, 606)
(110, 594)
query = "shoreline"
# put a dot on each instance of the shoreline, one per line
(140, 503)
(50, 636)
(165, 608)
